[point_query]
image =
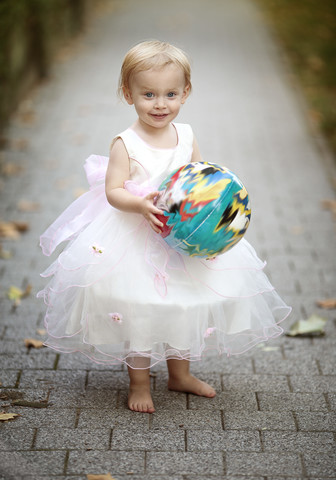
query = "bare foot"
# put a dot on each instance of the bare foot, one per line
(140, 399)
(191, 384)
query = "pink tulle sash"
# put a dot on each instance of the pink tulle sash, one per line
(85, 209)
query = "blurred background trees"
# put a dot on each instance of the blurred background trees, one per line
(306, 29)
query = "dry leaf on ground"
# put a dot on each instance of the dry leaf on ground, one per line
(313, 326)
(33, 343)
(13, 229)
(41, 331)
(5, 254)
(19, 144)
(4, 417)
(329, 204)
(28, 206)
(15, 294)
(11, 169)
(327, 304)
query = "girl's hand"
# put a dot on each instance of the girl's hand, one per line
(149, 211)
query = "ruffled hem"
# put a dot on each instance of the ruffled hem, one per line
(119, 294)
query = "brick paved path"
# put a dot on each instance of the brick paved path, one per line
(274, 415)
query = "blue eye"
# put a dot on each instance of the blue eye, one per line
(149, 95)
(171, 94)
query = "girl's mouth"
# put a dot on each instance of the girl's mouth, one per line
(159, 116)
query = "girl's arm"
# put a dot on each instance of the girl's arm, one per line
(196, 154)
(117, 173)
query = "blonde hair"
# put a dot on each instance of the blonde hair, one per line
(152, 54)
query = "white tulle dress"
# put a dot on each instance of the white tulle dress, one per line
(119, 293)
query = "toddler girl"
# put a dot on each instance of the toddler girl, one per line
(119, 293)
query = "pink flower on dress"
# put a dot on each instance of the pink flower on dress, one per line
(209, 332)
(97, 250)
(116, 317)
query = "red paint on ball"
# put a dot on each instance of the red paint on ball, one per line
(165, 230)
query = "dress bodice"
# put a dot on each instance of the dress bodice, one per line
(150, 165)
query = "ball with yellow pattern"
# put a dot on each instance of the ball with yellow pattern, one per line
(206, 209)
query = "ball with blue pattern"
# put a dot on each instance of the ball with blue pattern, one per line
(206, 209)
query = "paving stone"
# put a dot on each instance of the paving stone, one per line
(313, 384)
(25, 361)
(259, 421)
(168, 400)
(38, 477)
(255, 383)
(320, 465)
(227, 441)
(188, 419)
(38, 417)
(185, 463)
(284, 402)
(52, 378)
(232, 401)
(67, 397)
(11, 346)
(108, 380)
(316, 421)
(91, 462)
(8, 379)
(286, 367)
(265, 464)
(78, 361)
(215, 363)
(327, 363)
(298, 442)
(93, 418)
(156, 439)
(72, 439)
(33, 463)
(18, 439)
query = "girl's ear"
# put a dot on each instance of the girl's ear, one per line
(185, 94)
(128, 95)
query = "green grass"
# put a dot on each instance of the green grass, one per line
(306, 30)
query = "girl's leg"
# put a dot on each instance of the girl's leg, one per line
(181, 380)
(139, 396)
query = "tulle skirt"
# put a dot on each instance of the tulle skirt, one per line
(119, 294)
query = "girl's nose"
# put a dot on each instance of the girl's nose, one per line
(160, 103)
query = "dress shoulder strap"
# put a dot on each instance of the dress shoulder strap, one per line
(128, 139)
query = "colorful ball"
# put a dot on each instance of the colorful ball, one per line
(206, 209)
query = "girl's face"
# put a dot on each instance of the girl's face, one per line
(157, 95)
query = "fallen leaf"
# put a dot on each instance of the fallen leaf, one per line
(313, 326)
(327, 304)
(329, 204)
(27, 206)
(107, 476)
(10, 395)
(13, 229)
(33, 343)
(11, 169)
(41, 331)
(28, 403)
(8, 230)
(15, 294)
(270, 349)
(5, 254)
(21, 226)
(4, 417)
(19, 144)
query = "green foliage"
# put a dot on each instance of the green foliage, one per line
(30, 33)
(307, 30)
